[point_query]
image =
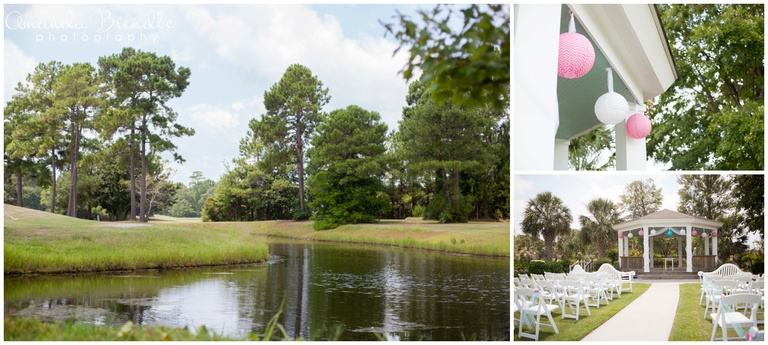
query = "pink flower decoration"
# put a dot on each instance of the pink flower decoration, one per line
(638, 126)
(575, 56)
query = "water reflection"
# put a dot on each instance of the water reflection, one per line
(398, 294)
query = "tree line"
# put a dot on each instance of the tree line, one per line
(91, 137)
(737, 201)
(445, 162)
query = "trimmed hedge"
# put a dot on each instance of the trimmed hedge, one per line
(536, 267)
(553, 267)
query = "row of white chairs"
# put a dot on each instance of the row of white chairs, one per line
(537, 296)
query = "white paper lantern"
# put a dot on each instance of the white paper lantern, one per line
(611, 108)
(630, 235)
(704, 235)
(653, 232)
(682, 232)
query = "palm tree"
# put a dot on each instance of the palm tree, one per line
(546, 215)
(598, 227)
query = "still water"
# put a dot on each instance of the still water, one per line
(394, 293)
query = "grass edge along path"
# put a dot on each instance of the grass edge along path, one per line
(574, 330)
(689, 324)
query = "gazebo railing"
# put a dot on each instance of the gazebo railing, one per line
(699, 263)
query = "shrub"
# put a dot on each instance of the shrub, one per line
(565, 265)
(521, 266)
(554, 267)
(418, 211)
(613, 254)
(536, 267)
(599, 262)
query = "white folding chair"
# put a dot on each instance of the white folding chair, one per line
(727, 317)
(596, 291)
(573, 296)
(528, 283)
(715, 290)
(531, 311)
(550, 293)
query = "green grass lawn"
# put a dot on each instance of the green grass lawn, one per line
(41, 242)
(575, 330)
(690, 324)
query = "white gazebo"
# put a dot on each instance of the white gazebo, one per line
(668, 223)
(551, 110)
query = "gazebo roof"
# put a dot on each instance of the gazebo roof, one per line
(667, 217)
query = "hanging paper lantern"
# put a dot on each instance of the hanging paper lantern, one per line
(714, 234)
(638, 126)
(682, 232)
(576, 55)
(630, 235)
(703, 235)
(653, 232)
(621, 235)
(694, 233)
(640, 233)
(611, 108)
(669, 233)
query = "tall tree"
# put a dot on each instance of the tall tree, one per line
(469, 66)
(347, 165)
(749, 191)
(597, 227)
(640, 198)
(141, 84)
(546, 215)
(713, 115)
(711, 197)
(76, 98)
(37, 126)
(294, 107)
(445, 140)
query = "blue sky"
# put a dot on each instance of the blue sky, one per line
(235, 53)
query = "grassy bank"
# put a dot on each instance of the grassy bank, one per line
(20, 329)
(474, 238)
(689, 324)
(573, 330)
(39, 242)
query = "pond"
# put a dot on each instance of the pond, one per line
(370, 291)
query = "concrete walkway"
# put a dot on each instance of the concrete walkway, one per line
(647, 318)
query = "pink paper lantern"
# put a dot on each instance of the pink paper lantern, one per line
(714, 234)
(694, 233)
(640, 233)
(638, 126)
(621, 235)
(576, 55)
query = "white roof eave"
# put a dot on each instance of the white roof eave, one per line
(632, 39)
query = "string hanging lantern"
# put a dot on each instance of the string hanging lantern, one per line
(653, 232)
(714, 234)
(621, 235)
(630, 235)
(576, 55)
(694, 233)
(641, 233)
(669, 233)
(638, 125)
(611, 108)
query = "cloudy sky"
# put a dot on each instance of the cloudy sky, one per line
(576, 190)
(235, 53)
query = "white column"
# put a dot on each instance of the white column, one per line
(706, 244)
(650, 243)
(679, 252)
(561, 154)
(714, 249)
(630, 152)
(537, 38)
(646, 266)
(688, 248)
(621, 250)
(626, 245)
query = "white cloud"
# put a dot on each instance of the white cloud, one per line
(16, 67)
(263, 41)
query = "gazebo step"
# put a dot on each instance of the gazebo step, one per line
(668, 275)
